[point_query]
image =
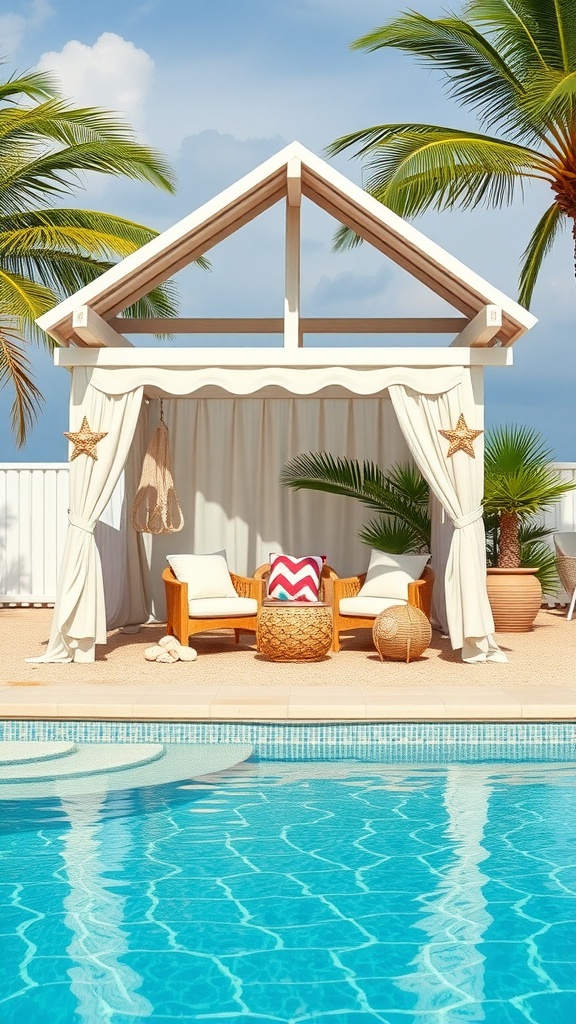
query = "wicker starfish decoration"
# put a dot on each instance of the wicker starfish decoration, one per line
(461, 438)
(84, 441)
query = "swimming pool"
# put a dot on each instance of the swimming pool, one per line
(339, 874)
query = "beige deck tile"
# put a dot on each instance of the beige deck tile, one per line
(548, 712)
(175, 712)
(398, 711)
(254, 712)
(103, 710)
(335, 704)
(19, 709)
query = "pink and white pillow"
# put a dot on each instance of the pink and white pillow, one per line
(295, 578)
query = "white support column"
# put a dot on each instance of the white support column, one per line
(292, 333)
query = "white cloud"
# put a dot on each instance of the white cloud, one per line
(113, 73)
(13, 27)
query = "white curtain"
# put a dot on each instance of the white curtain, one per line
(79, 619)
(457, 483)
(227, 457)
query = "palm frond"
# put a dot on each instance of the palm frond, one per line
(388, 534)
(22, 298)
(344, 239)
(540, 244)
(15, 371)
(400, 493)
(518, 476)
(551, 101)
(539, 555)
(414, 167)
(510, 447)
(35, 85)
(529, 34)
(475, 73)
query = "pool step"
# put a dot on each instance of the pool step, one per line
(84, 759)
(39, 769)
(12, 752)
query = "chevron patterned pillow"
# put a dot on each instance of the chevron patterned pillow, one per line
(295, 578)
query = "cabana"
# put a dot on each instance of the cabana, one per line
(235, 414)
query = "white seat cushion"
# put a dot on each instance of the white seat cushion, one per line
(206, 576)
(369, 607)
(389, 575)
(222, 607)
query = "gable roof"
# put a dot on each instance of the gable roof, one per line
(193, 236)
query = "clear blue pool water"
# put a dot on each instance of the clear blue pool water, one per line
(339, 890)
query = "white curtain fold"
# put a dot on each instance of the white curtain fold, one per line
(457, 483)
(79, 620)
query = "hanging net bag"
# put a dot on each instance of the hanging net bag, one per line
(156, 508)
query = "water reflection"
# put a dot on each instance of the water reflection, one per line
(100, 981)
(449, 969)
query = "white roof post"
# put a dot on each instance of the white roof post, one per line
(292, 332)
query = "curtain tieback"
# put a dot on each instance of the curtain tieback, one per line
(83, 524)
(471, 517)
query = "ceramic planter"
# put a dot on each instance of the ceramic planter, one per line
(515, 597)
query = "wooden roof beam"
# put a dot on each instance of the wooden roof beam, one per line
(95, 332)
(481, 330)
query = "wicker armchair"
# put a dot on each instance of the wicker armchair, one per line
(182, 625)
(327, 579)
(419, 596)
(565, 545)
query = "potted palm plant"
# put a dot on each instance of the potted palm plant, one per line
(519, 484)
(399, 497)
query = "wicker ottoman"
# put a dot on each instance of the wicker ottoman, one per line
(401, 633)
(294, 631)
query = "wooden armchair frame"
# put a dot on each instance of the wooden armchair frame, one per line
(419, 596)
(327, 578)
(182, 626)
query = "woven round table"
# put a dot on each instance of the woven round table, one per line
(401, 633)
(294, 631)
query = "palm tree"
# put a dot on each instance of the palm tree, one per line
(513, 64)
(46, 251)
(519, 484)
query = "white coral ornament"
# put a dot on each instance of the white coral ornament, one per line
(168, 650)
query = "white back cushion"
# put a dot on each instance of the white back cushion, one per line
(206, 575)
(389, 575)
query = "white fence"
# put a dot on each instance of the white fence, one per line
(33, 520)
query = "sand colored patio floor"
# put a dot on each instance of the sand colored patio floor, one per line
(236, 683)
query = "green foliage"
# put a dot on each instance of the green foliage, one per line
(513, 64)
(48, 252)
(518, 478)
(400, 496)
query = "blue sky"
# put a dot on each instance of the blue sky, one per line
(219, 86)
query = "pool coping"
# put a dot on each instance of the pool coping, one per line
(224, 703)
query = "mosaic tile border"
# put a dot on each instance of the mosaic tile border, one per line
(397, 742)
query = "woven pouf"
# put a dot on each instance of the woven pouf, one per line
(294, 633)
(401, 633)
